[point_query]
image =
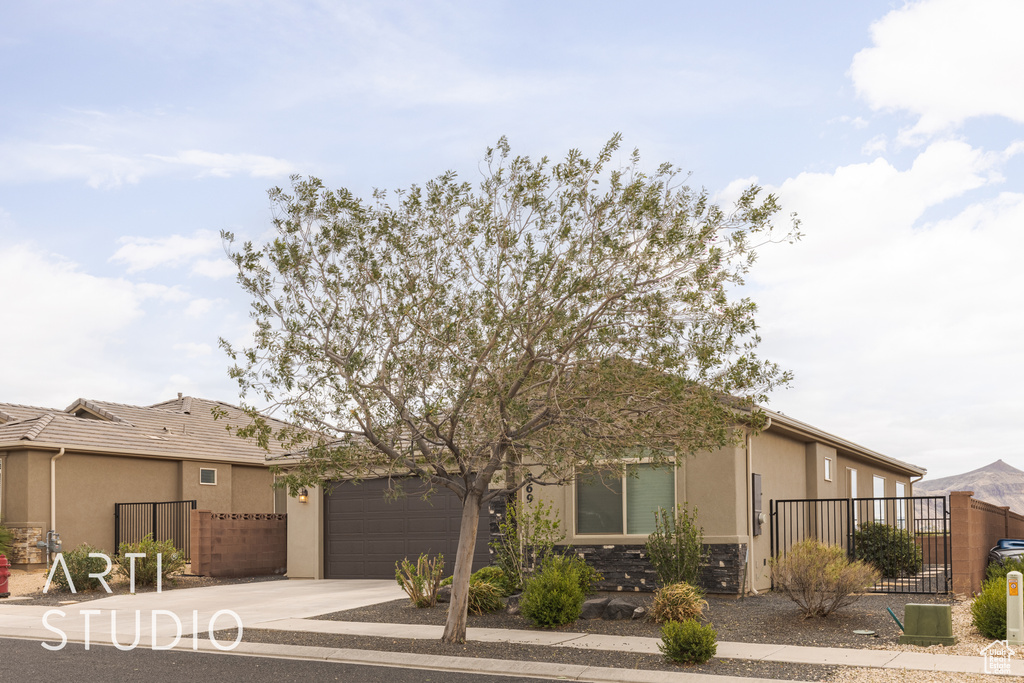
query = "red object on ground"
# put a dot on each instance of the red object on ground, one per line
(4, 573)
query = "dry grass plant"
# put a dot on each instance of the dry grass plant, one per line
(819, 578)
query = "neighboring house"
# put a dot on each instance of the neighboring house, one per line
(353, 533)
(98, 453)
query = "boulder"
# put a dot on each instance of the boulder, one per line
(594, 608)
(512, 603)
(640, 612)
(444, 594)
(619, 609)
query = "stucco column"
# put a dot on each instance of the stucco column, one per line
(960, 541)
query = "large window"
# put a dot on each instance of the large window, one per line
(878, 491)
(624, 505)
(901, 505)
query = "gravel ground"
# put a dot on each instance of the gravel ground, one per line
(766, 618)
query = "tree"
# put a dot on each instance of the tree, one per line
(546, 323)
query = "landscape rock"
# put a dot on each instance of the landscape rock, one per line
(640, 612)
(619, 609)
(512, 603)
(594, 608)
(444, 594)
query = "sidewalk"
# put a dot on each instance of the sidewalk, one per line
(287, 606)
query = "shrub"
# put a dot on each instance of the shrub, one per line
(676, 547)
(1001, 569)
(586, 575)
(678, 602)
(80, 565)
(553, 597)
(171, 560)
(6, 541)
(525, 539)
(485, 597)
(492, 575)
(420, 581)
(988, 611)
(687, 642)
(819, 578)
(892, 551)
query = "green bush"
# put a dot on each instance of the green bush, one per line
(586, 575)
(495, 576)
(1001, 569)
(892, 551)
(687, 642)
(988, 611)
(80, 565)
(525, 538)
(553, 597)
(676, 547)
(6, 541)
(485, 597)
(422, 580)
(819, 578)
(678, 602)
(171, 560)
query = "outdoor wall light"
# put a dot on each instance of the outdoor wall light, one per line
(303, 495)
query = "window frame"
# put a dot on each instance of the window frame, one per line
(674, 469)
(828, 469)
(901, 505)
(207, 469)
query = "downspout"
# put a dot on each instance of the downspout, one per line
(750, 508)
(53, 489)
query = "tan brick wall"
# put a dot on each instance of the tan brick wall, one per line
(975, 528)
(240, 544)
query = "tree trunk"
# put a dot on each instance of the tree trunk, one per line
(458, 609)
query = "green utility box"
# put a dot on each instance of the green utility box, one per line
(928, 625)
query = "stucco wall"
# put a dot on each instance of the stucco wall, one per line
(251, 489)
(88, 486)
(306, 537)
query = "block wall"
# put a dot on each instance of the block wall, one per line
(239, 544)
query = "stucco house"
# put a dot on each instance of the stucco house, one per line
(352, 532)
(65, 469)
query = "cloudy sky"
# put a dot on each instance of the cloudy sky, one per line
(131, 133)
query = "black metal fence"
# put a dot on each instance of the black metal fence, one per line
(907, 538)
(167, 520)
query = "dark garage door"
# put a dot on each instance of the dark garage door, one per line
(365, 533)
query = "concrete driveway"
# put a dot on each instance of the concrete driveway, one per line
(190, 609)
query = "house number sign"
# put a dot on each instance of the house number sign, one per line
(529, 493)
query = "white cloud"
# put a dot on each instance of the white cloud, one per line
(194, 350)
(897, 329)
(945, 61)
(200, 307)
(99, 168)
(876, 145)
(214, 268)
(61, 321)
(227, 165)
(143, 253)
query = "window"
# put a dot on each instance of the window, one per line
(901, 505)
(208, 476)
(626, 505)
(828, 469)
(851, 487)
(878, 491)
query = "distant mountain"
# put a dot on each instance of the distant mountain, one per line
(996, 483)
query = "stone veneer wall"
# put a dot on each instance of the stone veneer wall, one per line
(246, 544)
(23, 549)
(626, 568)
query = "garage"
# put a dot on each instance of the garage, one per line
(365, 533)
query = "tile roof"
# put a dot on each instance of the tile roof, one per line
(182, 428)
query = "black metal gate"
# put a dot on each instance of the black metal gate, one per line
(891, 524)
(166, 521)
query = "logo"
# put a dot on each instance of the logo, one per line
(997, 656)
(87, 613)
